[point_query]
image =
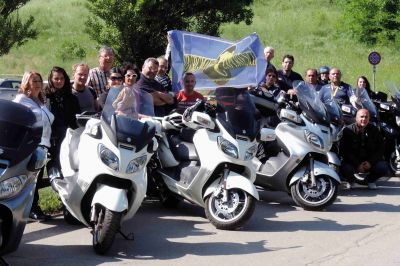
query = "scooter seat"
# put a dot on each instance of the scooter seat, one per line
(183, 150)
(73, 148)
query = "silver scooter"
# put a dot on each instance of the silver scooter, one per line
(20, 161)
(301, 165)
(213, 168)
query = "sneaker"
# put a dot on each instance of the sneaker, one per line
(372, 186)
(345, 185)
(38, 215)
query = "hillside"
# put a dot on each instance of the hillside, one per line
(306, 29)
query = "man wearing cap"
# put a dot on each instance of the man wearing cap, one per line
(323, 75)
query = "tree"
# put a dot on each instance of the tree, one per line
(13, 31)
(138, 29)
(373, 21)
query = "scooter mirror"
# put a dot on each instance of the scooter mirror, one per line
(267, 134)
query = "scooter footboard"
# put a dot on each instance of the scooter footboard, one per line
(320, 168)
(114, 199)
(234, 180)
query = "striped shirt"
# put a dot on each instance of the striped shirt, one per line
(97, 80)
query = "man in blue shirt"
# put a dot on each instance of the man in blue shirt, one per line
(337, 89)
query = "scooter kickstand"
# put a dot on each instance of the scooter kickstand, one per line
(130, 236)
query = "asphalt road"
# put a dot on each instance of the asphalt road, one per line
(361, 228)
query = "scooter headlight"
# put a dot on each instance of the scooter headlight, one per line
(227, 147)
(313, 139)
(250, 152)
(136, 164)
(108, 157)
(12, 186)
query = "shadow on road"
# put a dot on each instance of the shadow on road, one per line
(163, 234)
(167, 234)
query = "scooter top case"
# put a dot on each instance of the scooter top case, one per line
(20, 134)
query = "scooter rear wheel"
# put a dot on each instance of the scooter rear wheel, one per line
(232, 214)
(104, 229)
(315, 199)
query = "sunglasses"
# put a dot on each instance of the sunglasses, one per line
(131, 75)
(116, 78)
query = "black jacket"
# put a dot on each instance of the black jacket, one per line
(64, 107)
(356, 147)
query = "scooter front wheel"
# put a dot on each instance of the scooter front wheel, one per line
(104, 229)
(232, 213)
(315, 198)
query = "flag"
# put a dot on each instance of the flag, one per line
(216, 62)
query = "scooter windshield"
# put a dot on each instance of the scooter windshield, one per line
(363, 101)
(311, 105)
(128, 102)
(394, 91)
(334, 111)
(121, 112)
(236, 112)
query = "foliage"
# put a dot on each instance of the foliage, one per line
(373, 21)
(13, 31)
(138, 29)
(48, 200)
(71, 50)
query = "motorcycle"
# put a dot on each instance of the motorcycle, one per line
(204, 156)
(301, 164)
(103, 163)
(389, 113)
(20, 161)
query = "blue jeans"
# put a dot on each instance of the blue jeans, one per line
(378, 170)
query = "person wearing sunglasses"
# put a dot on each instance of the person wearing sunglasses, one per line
(115, 80)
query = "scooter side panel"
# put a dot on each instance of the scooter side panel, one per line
(320, 168)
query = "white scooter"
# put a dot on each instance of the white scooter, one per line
(303, 164)
(103, 164)
(212, 168)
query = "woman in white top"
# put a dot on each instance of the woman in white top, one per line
(30, 94)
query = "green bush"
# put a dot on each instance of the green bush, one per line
(49, 201)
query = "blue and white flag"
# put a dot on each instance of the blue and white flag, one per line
(216, 62)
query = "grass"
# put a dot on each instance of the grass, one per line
(60, 23)
(307, 30)
(48, 200)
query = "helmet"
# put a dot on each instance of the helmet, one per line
(324, 70)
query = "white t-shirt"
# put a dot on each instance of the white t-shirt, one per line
(46, 116)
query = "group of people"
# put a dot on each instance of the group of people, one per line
(361, 145)
(60, 100)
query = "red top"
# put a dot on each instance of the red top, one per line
(185, 101)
